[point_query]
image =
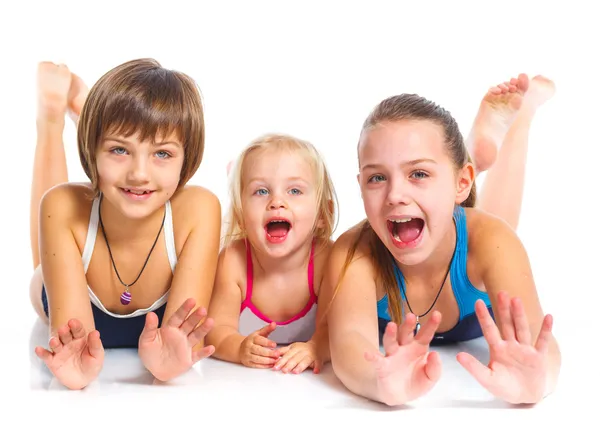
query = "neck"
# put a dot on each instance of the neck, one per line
(297, 259)
(437, 265)
(120, 228)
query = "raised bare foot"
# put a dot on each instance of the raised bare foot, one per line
(497, 112)
(53, 87)
(78, 92)
(541, 89)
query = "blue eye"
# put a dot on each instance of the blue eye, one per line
(295, 191)
(119, 151)
(163, 154)
(376, 178)
(262, 192)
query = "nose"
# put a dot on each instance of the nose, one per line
(139, 171)
(399, 192)
(276, 203)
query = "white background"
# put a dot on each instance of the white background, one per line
(313, 70)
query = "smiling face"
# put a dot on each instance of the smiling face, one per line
(409, 186)
(279, 201)
(138, 177)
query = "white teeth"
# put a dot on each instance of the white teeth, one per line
(401, 220)
(137, 192)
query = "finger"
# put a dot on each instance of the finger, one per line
(282, 350)
(200, 332)
(203, 353)
(264, 352)
(181, 313)
(253, 358)
(505, 318)
(318, 365)
(488, 327)
(293, 362)
(64, 334)
(520, 318)
(433, 367)
(150, 330)
(425, 335)
(264, 342)
(266, 331)
(543, 340)
(55, 345)
(260, 365)
(44, 355)
(283, 359)
(376, 359)
(303, 364)
(192, 321)
(76, 328)
(390, 339)
(406, 332)
(95, 348)
(480, 372)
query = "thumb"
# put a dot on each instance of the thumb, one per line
(318, 365)
(150, 330)
(433, 367)
(95, 348)
(266, 331)
(479, 371)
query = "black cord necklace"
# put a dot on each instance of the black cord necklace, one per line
(126, 296)
(418, 325)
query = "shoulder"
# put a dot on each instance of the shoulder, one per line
(196, 205)
(490, 238)
(67, 201)
(352, 249)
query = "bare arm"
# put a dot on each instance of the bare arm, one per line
(504, 266)
(62, 268)
(225, 310)
(352, 319)
(196, 267)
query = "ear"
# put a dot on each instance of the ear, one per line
(464, 183)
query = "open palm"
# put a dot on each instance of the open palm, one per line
(167, 351)
(75, 358)
(517, 369)
(408, 369)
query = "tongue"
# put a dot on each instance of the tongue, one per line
(278, 230)
(408, 231)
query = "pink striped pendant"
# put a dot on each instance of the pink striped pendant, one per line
(125, 298)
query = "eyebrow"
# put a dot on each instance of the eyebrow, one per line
(413, 162)
(291, 179)
(127, 142)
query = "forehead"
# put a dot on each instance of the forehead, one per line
(272, 164)
(401, 140)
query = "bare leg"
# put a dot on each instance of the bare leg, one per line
(502, 191)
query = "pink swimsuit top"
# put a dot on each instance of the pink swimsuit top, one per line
(299, 328)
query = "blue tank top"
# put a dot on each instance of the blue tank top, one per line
(465, 293)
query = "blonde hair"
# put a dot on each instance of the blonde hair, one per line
(326, 196)
(141, 95)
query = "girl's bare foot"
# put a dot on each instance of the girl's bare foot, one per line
(496, 113)
(541, 89)
(53, 83)
(78, 92)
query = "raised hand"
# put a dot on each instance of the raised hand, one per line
(297, 357)
(75, 358)
(167, 351)
(257, 351)
(517, 369)
(408, 369)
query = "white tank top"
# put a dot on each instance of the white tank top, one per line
(89, 248)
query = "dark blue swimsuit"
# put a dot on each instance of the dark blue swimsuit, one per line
(465, 293)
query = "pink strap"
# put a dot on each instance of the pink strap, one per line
(249, 283)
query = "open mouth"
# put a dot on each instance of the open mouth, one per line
(136, 192)
(406, 230)
(277, 229)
